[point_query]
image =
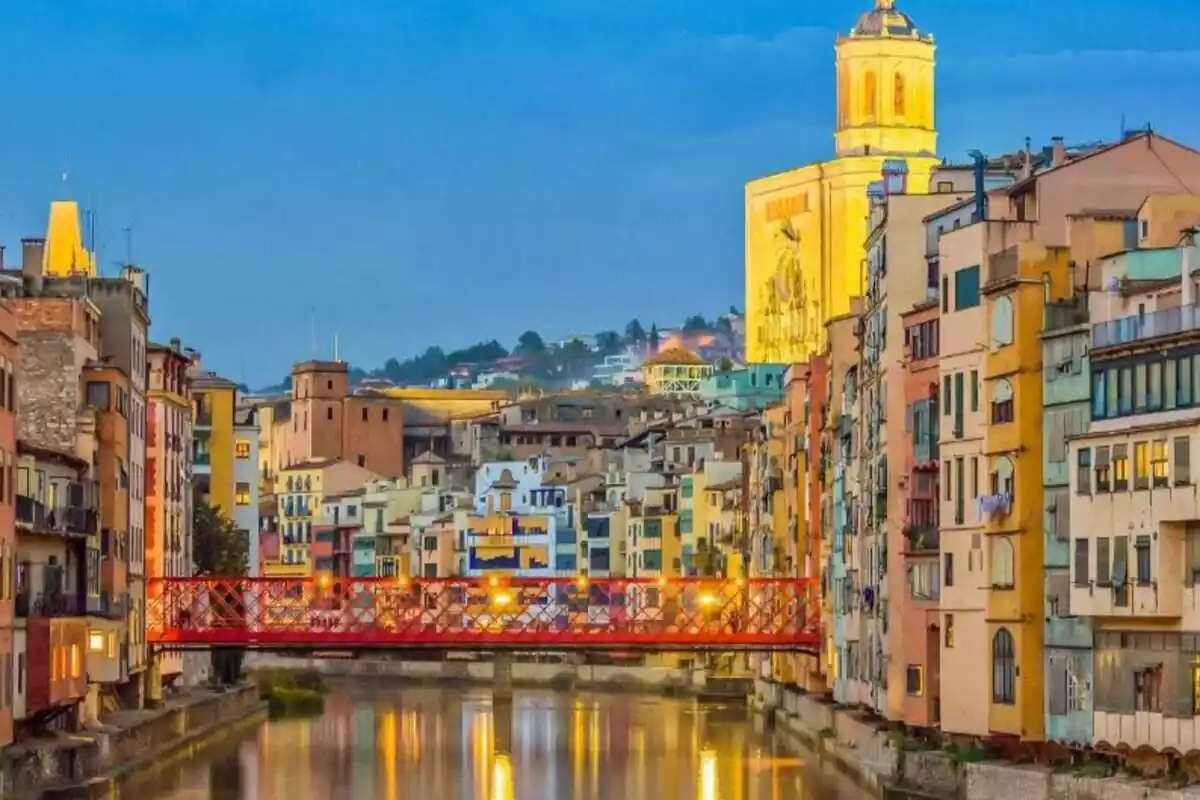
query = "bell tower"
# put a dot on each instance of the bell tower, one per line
(885, 86)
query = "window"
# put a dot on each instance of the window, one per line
(914, 680)
(1002, 562)
(362, 461)
(242, 448)
(1002, 322)
(1003, 481)
(966, 288)
(945, 294)
(366, 415)
(242, 494)
(385, 415)
(1103, 561)
(946, 400)
(1103, 476)
(948, 568)
(1141, 465)
(1081, 562)
(1141, 548)
(1154, 389)
(329, 412)
(1004, 669)
(974, 477)
(98, 394)
(1182, 466)
(1083, 471)
(1183, 387)
(974, 390)
(949, 631)
(1120, 463)
(1002, 402)
(1147, 689)
(1158, 463)
(869, 95)
(947, 478)
(1099, 406)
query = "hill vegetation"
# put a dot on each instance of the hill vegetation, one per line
(545, 362)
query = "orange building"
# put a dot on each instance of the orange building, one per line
(915, 592)
(107, 393)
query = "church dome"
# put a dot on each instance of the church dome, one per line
(885, 20)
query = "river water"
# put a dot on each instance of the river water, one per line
(449, 744)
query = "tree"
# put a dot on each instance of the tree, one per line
(725, 364)
(653, 337)
(634, 332)
(573, 357)
(608, 342)
(695, 323)
(734, 311)
(530, 344)
(220, 549)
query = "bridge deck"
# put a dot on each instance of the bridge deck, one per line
(693, 614)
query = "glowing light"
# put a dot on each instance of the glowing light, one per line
(323, 581)
(662, 581)
(708, 599)
(502, 778)
(96, 641)
(581, 582)
(493, 581)
(708, 774)
(402, 581)
(502, 598)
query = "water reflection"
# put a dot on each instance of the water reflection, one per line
(433, 744)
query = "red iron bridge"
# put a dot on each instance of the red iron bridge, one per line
(489, 613)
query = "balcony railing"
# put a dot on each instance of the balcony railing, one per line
(1066, 313)
(60, 519)
(49, 604)
(922, 538)
(1140, 327)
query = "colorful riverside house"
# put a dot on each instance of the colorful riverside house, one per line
(699, 517)
(676, 373)
(512, 532)
(915, 609)
(1135, 520)
(751, 388)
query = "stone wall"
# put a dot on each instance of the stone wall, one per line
(125, 738)
(48, 392)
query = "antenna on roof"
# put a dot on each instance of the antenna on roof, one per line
(312, 325)
(335, 348)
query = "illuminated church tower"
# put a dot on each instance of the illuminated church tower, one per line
(805, 228)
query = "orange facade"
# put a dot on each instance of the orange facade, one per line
(108, 394)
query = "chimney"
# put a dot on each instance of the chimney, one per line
(176, 344)
(32, 251)
(1058, 152)
(980, 185)
(1027, 159)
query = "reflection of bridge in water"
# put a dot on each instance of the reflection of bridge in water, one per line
(550, 614)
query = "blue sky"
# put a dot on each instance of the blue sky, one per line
(444, 171)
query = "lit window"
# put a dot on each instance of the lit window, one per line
(95, 641)
(112, 644)
(242, 448)
(242, 494)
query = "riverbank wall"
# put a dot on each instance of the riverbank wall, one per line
(126, 746)
(613, 678)
(866, 750)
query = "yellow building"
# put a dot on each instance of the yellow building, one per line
(805, 228)
(675, 372)
(213, 401)
(654, 549)
(300, 490)
(706, 542)
(64, 254)
(1017, 283)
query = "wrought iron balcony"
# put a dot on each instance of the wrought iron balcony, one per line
(49, 604)
(64, 519)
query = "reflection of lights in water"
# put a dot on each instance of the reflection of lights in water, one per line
(708, 775)
(387, 741)
(502, 778)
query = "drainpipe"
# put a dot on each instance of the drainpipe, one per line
(1187, 260)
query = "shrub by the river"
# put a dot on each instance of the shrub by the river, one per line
(291, 693)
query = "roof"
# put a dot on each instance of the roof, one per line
(1077, 155)
(428, 457)
(674, 355)
(317, 463)
(885, 20)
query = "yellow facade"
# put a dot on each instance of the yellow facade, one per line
(805, 228)
(448, 404)
(1012, 453)
(215, 401)
(64, 254)
(299, 491)
(675, 372)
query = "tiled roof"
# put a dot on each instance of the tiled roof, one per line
(675, 355)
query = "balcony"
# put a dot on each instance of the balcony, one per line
(64, 520)
(922, 539)
(926, 449)
(1065, 314)
(1142, 327)
(49, 604)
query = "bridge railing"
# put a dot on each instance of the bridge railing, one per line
(481, 613)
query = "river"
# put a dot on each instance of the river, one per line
(445, 744)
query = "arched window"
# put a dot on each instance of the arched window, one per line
(1001, 561)
(1004, 668)
(1002, 322)
(870, 92)
(898, 96)
(1003, 481)
(1003, 408)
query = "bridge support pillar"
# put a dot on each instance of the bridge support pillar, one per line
(154, 682)
(502, 672)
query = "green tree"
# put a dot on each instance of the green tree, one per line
(608, 342)
(653, 338)
(530, 344)
(725, 364)
(695, 323)
(220, 549)
(573, 357)
(634, 332)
